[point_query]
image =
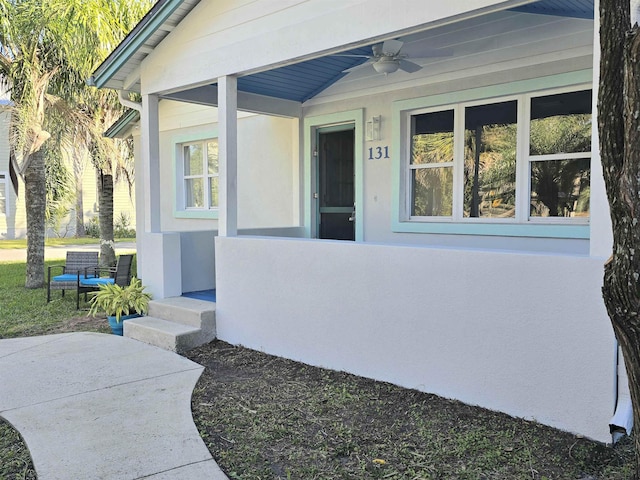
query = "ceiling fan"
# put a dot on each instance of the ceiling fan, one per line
(386, 58)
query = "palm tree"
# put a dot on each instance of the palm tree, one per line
(112, 159)
(47, 49)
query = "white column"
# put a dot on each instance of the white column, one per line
(160, 266)
(228, 156)
(150, 130)
(140, 195)
(601, 237)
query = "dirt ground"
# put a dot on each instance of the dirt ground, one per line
(264, 417)
(82, 324)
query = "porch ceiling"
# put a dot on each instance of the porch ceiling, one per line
(297, 82)
(304, 80)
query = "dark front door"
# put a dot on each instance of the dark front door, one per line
(335, 184)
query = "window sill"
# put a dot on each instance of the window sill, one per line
(577, 231)
(204, 214)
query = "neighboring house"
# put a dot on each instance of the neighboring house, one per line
(13, 217)
(472, 262)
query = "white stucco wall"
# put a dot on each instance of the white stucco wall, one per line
(267, 166)
(525, 334)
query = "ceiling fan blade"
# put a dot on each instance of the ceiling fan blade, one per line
(377, 49)
(409, 67)
(391, 47)
(358, 67)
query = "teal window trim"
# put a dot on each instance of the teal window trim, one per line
(311, 124)
(176, 141)
(579, 79)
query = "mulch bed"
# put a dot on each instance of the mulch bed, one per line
(266, 417)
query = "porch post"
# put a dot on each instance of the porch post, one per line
(228, 156)
(151, 162)
(159, 267)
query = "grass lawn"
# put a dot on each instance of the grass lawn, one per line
(264, 417)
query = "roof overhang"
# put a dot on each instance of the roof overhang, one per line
(119, 69)
(122, 126)
(296, 82)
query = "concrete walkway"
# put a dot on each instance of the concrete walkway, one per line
(60, 252)
(94, 406)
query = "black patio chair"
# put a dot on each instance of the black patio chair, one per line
(75, 266)
(92, 278)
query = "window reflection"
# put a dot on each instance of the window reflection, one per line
(213, 192)
(212, 157)
(560, 188)
(431, 147)
(193, 159)
(194, 193)
(490, 160)
(561, 123)
(433, 192)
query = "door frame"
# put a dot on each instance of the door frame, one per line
(350, 119)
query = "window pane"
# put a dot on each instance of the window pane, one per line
(560, 188)
(432, 192)
(193, 159)
(561, 123)
(490, 160)
(3, 201)
(432, 138)
(212, 156)
(213, 192)
(194, 193)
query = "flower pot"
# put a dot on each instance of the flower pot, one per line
(116, 327)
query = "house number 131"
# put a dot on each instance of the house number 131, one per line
(376, 153)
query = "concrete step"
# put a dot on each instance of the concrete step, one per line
(166, 334)
(188, 311)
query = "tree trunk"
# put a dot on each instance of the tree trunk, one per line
(36, 202)
(78, 174)
(105, 202)
(618, 125)
(80, 232)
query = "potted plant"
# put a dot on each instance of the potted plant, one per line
(120, 303)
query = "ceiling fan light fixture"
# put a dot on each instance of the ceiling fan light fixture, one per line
(386, 65)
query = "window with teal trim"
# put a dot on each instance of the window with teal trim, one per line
(524, 159)
(560, 155)
(199, 174)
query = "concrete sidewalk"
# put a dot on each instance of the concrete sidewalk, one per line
(94, 406)
(54, 253)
